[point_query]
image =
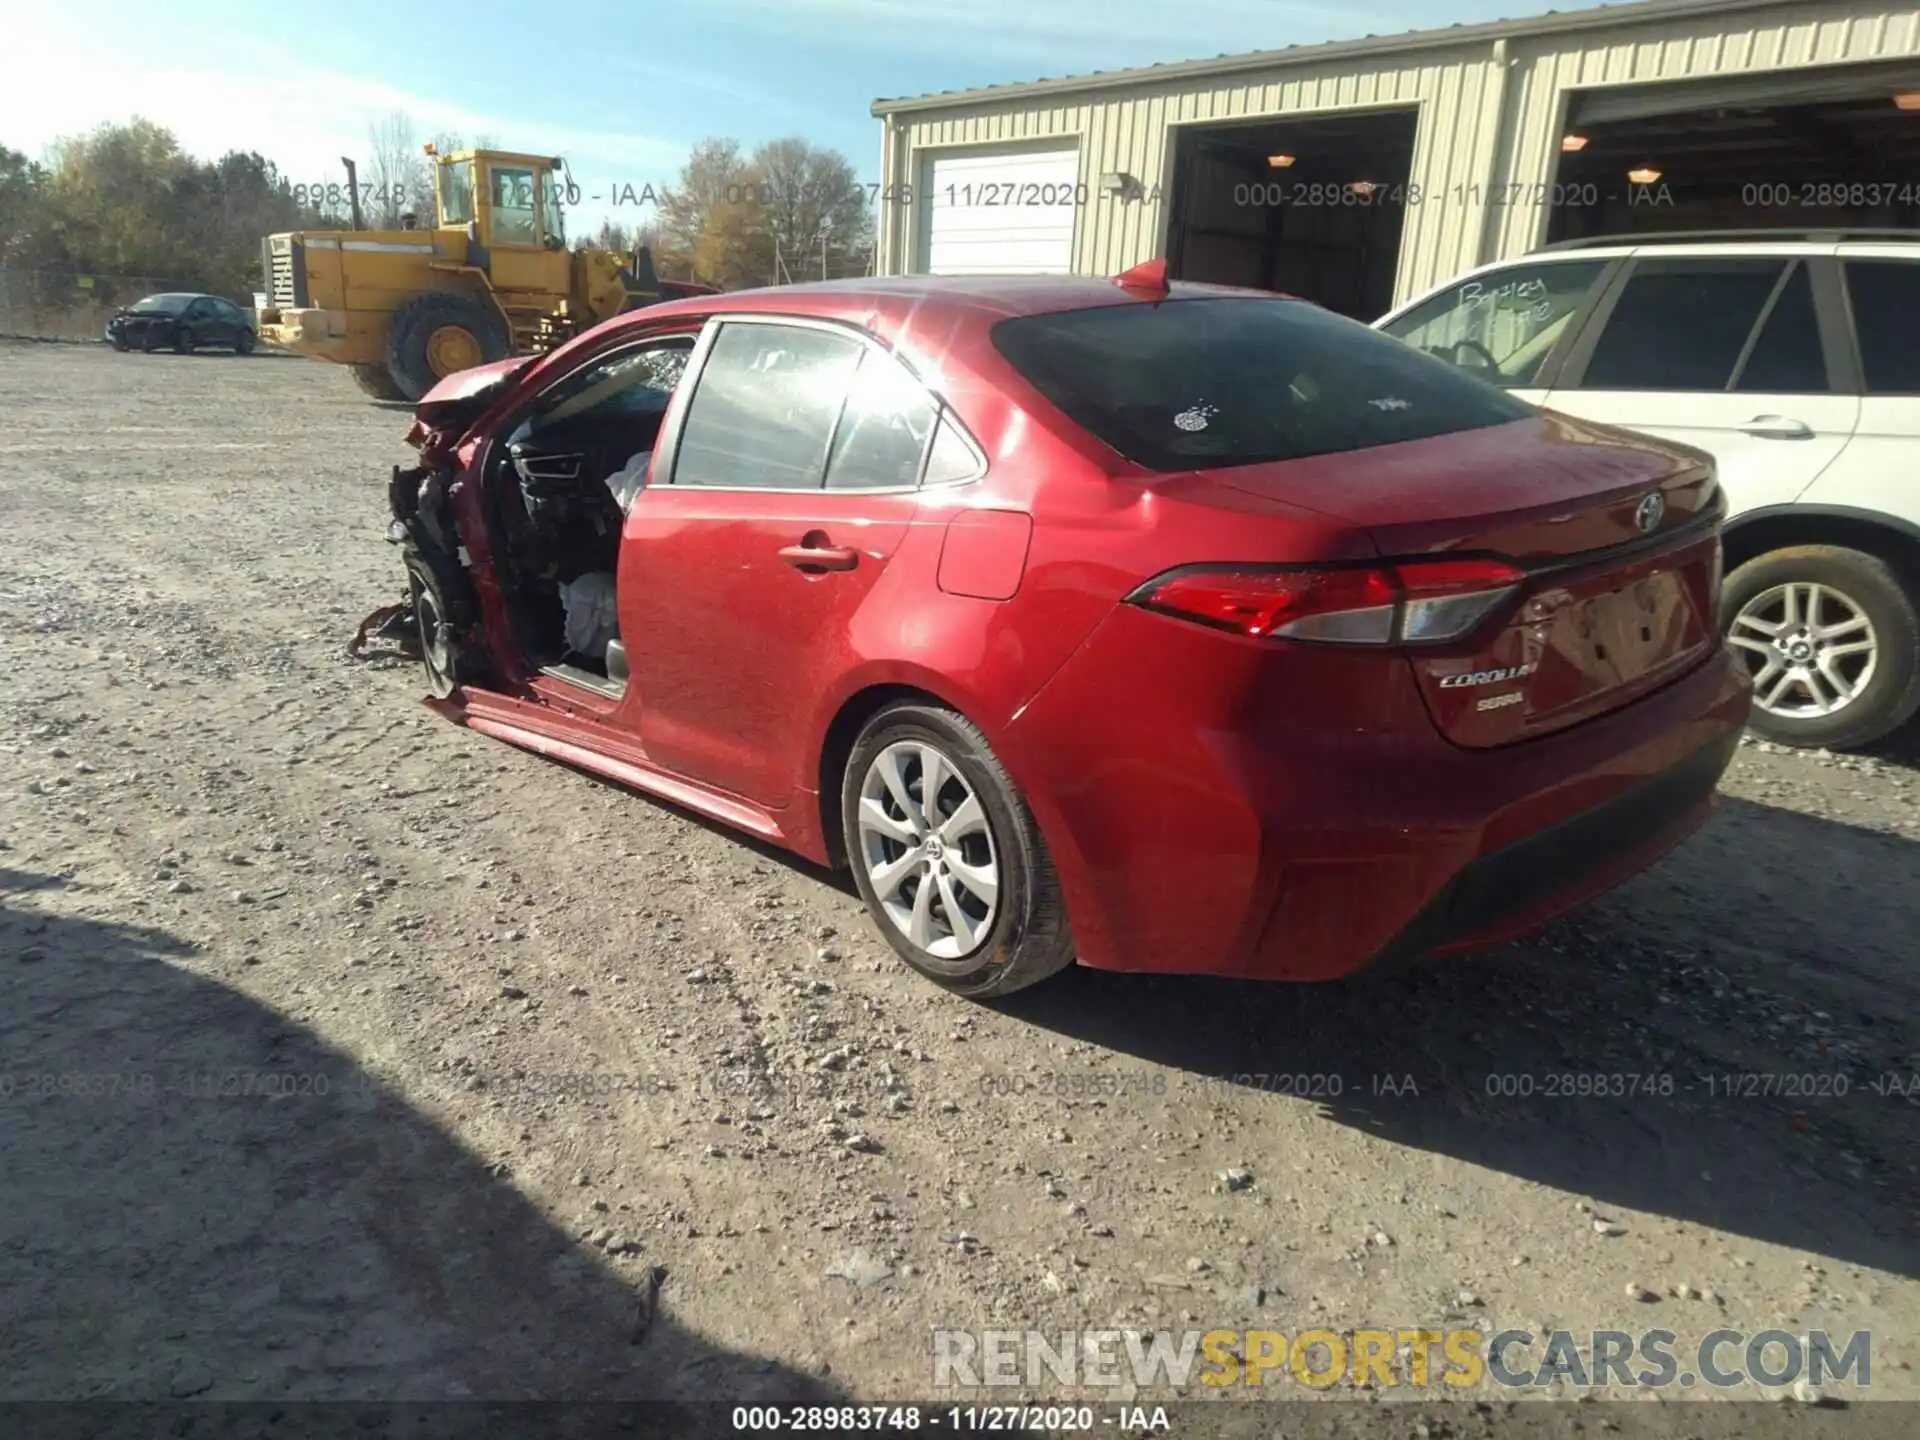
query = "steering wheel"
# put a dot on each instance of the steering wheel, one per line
(1486, 356)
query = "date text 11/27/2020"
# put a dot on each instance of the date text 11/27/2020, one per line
(984, 193)
(1065, 194)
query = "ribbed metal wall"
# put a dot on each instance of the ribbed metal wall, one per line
(1490, 121)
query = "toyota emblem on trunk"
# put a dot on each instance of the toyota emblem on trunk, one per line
(1652, 510)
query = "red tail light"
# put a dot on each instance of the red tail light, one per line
(1406, 602)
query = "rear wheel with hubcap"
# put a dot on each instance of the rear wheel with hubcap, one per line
(947, 855)
(1832, 641)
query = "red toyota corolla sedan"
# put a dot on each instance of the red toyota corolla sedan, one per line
(1158, 628)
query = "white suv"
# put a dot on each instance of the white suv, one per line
(1794, 358)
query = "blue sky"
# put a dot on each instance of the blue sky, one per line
(620, 89)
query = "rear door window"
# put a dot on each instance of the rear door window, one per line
(764, 408)
(883, 430)
(1682, 324)
(1787, 356)
(1192, 384)
(1885, 296)
(1501, 326)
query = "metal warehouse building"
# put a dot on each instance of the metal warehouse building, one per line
(1360, 173)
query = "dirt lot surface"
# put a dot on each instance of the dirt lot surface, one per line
(617, 1104)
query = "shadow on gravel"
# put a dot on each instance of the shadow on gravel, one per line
(1900, 748)
(163, 1232)
(1770, 945)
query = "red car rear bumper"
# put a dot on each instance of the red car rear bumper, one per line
(1211, 812)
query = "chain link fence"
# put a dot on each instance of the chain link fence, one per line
(66, 305)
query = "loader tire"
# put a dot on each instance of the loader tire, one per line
(436, 335)
(375, 381)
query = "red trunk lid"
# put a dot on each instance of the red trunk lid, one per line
(1618, 535)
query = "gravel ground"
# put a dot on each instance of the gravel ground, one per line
(226, 851)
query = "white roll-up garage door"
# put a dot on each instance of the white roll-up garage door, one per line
(1000, 212)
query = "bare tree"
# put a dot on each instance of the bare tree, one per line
(395, 181)
(712, 216)
(814, 210)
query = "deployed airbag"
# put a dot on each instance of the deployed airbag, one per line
(592, 619)
(629, 480)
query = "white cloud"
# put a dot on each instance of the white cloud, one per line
(230, 95)
(664, 76)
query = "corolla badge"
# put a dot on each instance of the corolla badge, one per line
(1652, 510)
(1487, 677)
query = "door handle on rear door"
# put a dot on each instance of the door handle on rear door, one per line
(1778, 427)
(814, 553)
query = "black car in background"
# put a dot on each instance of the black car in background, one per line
(183, 323)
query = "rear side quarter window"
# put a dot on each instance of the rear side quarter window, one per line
(883, 430)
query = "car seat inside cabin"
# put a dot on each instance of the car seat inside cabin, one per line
(578, 461)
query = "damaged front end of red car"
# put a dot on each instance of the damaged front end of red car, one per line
(441, 612)
(444, 414)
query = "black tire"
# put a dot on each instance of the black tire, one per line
(119, 342)
(442, 623)
(375, 381)
(183, 341)
(414, 324)
(243, 343)
(1874, 589)
(1025, 937)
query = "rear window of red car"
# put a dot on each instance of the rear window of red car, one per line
(1201, 384)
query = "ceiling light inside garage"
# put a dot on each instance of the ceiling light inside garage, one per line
(1644, 175)
(1907, 100)
(1572, 143)
(1279, 162)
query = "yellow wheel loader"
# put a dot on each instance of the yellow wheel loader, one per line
(492, 277)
